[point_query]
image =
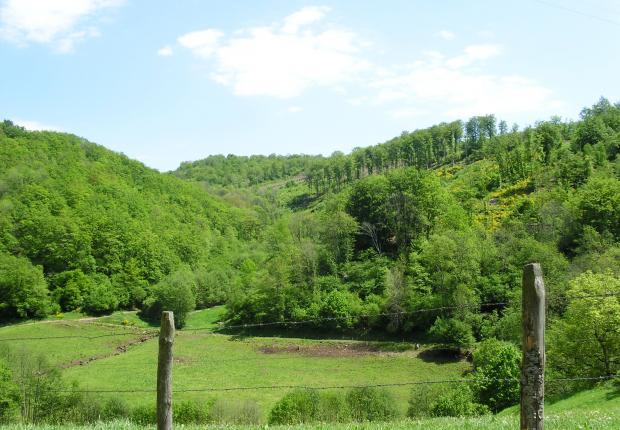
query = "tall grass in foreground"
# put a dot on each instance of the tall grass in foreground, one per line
(592, 420)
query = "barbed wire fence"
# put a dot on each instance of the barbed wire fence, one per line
(164, 407)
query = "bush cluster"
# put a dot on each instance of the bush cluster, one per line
(358, 404)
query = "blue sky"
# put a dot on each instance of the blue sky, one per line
(171, 81)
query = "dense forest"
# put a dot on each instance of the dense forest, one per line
(240, 171)
(84, 228)
(440, 217)
(445, 217)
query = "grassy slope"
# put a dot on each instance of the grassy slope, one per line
(215, 361)
(205, 360)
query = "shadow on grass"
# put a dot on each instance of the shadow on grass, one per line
(615, 388)
(440, 356)
(565, 390)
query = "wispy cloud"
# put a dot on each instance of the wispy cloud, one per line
(202, 43)
(282, 60)
(165, 51)
(60, 24)
(304, 51)
(446, 35)
(458, 87)
(474, 53)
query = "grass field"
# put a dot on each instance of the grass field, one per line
(112, 357)
(119, 352)
(593, 410)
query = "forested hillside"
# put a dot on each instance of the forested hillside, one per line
(440, 217)
(84, 228)
(240, 171)
(447, 217)
(422, 238)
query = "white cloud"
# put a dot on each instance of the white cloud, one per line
(460, 91)
(35, 125)
(474, 53)
(303, 17)
(165, 51)
(58, 23)
(282, 60)
(294, 109)
(303, 51)
(446, 35)
(202, 43)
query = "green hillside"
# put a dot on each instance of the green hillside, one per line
(82, 227)
(239, 171)
(419, 240)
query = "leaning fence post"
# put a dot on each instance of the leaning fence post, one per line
(533, 364)
(164, 372)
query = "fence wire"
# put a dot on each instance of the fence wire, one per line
(335, 387)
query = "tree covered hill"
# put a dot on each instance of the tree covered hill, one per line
(82, 227)
(242, 171)
(446, 217)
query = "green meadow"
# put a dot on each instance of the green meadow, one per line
(111, 357)
(119, 353)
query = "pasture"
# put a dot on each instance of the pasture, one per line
(118, 360)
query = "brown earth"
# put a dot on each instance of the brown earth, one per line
(335, 349)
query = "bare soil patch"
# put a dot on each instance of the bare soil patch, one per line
(334, 349)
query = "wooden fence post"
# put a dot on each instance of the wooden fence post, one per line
(164, 372)
(533, 364)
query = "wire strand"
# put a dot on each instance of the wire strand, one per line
(12, 339)
(334, 387)
(322, 319)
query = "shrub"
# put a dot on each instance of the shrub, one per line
(421, 400)
(452, 332)
(457, 402)
(497, 366)
(333, 408)
(29, 381)
(299, 406)
(174, 293)
(187, 412)
(9, 394)
(341, 308)
(101, 297)
(41, 389)
(22, 288)
(307, 406)
(235, 412)
(75, 408)
(69, 288)
(144, 415)
(371, 404)
(114, 409)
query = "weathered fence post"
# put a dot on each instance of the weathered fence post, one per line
(533, 364)
(164, 372)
